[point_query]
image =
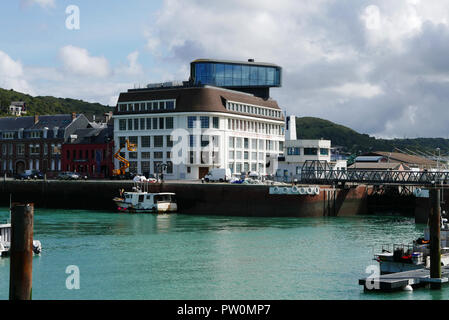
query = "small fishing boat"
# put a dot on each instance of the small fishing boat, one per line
(400, 257)
(145, 202)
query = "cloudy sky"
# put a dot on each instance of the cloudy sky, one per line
(379, 66)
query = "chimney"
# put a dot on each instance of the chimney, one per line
(36, 118)
(73, 116)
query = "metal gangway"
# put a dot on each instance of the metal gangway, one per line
(374, 177)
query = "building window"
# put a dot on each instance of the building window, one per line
(122, 142)
(231, 155)
(20, 149)
(161, 123)
(204, 122)
(310, 151)
(246, 155)
(122, 124)
(130, 124)
(191, 140)
(154, 123)
(169, 141)
(238, 142)
(136, 124)
(293, 151)
(324, 151)
(148, 123)
(215, 122)
(169, 123)
(190, 122)
(145, 155)
(133, 140)
(169, 167)
(157, 166)
(146, 141)
(35, 134)
(145, 167)
(35, 149)
(204, 141)
(133, 155)
(246, 143)
(133, 166)
(170, 105)
(158, 141)
(254, 144)
(231, 142)
(158, 155)
(238, 167)
(142, 123)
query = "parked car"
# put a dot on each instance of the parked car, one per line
(67, 175)
(30, 174)
(218, 174)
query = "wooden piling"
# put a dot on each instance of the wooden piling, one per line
(434, 228)
(21, 251)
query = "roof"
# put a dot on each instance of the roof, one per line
(404, 158)
(377, 166)
(45, 121)
(197, 99)
(93, 135)
(252, 63)
(369, 158)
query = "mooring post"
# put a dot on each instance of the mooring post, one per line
(434, 228)
(21, 252)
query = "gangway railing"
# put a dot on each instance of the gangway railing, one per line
(375, 177)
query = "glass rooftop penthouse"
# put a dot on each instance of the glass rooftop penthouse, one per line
(251, 77)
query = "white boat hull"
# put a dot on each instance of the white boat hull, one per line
(138, 208)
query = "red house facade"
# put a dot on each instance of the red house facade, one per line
(89, 152)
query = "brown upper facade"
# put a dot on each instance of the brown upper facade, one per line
(198, 99)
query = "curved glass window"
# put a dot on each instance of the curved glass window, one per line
(235, 75)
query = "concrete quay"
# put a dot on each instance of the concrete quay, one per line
(193, 197)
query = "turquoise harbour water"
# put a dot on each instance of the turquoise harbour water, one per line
(123, 256)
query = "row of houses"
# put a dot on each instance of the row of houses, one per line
(55, 143)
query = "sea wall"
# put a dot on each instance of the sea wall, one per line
(193, 198)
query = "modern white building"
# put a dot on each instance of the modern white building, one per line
(298, 152)
(193, 127)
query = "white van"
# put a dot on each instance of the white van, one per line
(217, 174)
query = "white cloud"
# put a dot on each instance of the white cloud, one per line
(358, 63)
(133, 68)
(78, 61)
(11, 74)
(364, 90)
(42, 3)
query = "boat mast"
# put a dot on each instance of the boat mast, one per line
(10, 207)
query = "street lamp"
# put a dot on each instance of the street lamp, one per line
(438, 159)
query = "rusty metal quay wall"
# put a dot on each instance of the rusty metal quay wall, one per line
(193, 198)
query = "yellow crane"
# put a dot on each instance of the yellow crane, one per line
(121, 171)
